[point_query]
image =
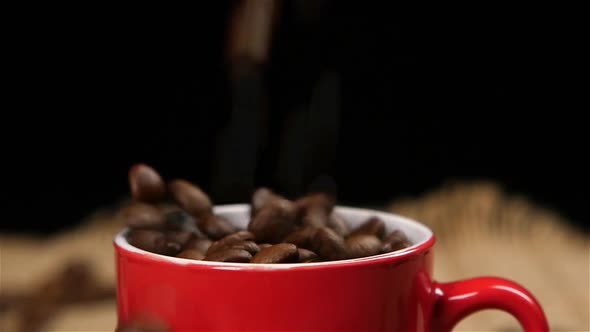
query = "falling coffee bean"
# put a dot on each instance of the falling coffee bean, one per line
(215, 227)
(396, 240)
(373, 226)
(153, 241)
(329, 245)
(229, 255)
(146, 184)
(198, 244)
(273, 222)
(321, 201)
(337, 223)
(303, 237)
(306, 255)
(316, 217)
(363, 245)
(180, 237)
(191, 254)
(142, 215)
(279, 253)
(179, 220)
(260, 198)
(190, 198)
(230, 239)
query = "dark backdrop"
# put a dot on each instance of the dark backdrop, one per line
(425, 95)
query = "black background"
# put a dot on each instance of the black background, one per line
(428, 94)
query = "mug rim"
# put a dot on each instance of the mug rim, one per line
(122, 245)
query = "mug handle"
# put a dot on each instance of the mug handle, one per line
(456, 300)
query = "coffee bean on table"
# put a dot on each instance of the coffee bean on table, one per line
(278, 253)
(191, 254)
(303, 237)
(146, 184)
(229, 255)
(273, 222)
(363, 245)
(329, 245)
(215, 227)
(396, 240)
(142, 215)
(373, 226)
(338, 224)
(231, 239)
(190, 198)
(306, 255)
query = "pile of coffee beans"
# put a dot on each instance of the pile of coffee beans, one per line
(176, 219)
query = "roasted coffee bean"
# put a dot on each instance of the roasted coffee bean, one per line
(316, 217)
(179, 220)
(322, 201)
(363, 245)
(191, 254)
(249, 246)
(215, 227)
(153, 241)
(329, 245)
(142, 215)
(313, 260)
(337, 223)
(373, 226)
(396, 240)
(198, 244)
(191, 198)
(180, 237)
(146, 184)
(306, 255)
(260, 198)
(279, 253)
(231, 239)
(264, 245)
(303, 237)
(229, 255)
(273, 222)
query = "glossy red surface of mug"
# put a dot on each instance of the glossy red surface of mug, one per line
(389, 292)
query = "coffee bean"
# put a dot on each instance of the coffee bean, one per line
(264, 245)
(180, 237)
(306, 255)
(179, 220)
(215, 227)
(303, 237)
(316, 217)
(373, 226)
(142, 215)
(249, 246)
(230, 239)
(363, 245)
(279, 253)
(229, 255)
(329, 245)
(146, 184)
(260, 198)
(198, 244)
(191, 254)
(153, 241)
(396, 240)
(191, 198)
(337, 223)
(322, 201)
(273, 222)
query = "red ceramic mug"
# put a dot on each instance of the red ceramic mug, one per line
(388, 292)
